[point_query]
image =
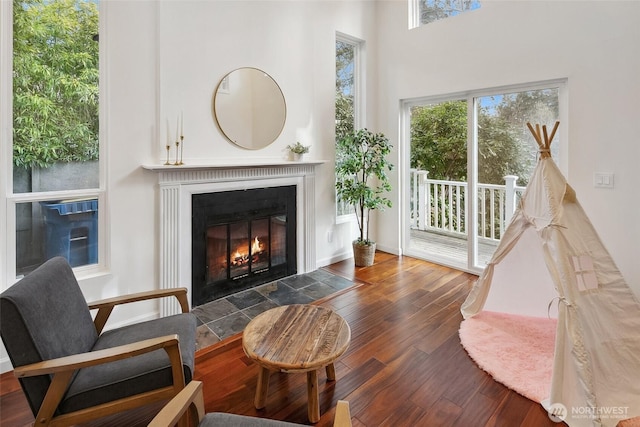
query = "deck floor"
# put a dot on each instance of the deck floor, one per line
(450, 247)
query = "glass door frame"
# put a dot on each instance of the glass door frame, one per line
(471, 209)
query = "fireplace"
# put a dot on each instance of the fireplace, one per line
(177, 185)
(241, 239)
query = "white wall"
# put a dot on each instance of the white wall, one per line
(595, 45)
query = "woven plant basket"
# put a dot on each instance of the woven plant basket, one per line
(363, 255)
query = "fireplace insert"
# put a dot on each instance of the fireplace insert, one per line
(241, 239)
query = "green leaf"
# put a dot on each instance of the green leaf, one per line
(55, 84)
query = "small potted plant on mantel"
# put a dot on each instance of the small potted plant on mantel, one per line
(298, 150)
(361, 170)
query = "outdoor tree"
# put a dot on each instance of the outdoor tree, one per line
(345, 114)
(536, 106)
(433, 10)
(55, 82)
(500, 151)
(439, 140)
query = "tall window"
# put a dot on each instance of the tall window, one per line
(425, 11)
(55, 132)
(348, 96)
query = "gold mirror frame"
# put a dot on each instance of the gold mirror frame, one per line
(249, 108)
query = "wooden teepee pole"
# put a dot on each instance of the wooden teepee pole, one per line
(535, 134)
(545, 146)
(553, 132)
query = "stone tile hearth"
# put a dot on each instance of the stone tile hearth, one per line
(227, 316)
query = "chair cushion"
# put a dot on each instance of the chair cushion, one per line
(45, 316)
(219, 419)
(107, 382)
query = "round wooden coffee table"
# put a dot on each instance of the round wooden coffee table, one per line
(293, 339)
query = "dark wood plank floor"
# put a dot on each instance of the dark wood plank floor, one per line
(405, 365)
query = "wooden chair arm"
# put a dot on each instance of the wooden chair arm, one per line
(189, 399)
(105, 306)
(343, 415)
(83, 360)
(141, 296)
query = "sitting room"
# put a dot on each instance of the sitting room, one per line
(173, 179)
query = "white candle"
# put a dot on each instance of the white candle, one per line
(178, 129)
(181, 124)
(168, 133)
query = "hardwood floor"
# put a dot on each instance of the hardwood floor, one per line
(405, 365)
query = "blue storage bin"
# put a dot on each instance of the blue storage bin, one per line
(71, 230)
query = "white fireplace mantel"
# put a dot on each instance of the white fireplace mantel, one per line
(177, 185)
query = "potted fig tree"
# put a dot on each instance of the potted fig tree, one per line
(361, 180)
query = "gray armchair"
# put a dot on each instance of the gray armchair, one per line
(69, 369)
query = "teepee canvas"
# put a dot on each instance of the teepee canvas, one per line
(551, 259)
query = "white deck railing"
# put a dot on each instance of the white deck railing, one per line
(440, 206)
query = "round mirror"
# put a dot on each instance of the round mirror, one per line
(249, 108)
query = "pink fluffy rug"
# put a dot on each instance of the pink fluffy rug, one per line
(516, 350)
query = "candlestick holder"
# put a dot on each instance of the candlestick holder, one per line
(168, 147)
(177, 153)
(181, 148)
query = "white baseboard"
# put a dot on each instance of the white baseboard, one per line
(336, 258)
(389, 249)
(5, 365)
(349, 254)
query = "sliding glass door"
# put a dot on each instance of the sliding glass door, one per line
(469, 160)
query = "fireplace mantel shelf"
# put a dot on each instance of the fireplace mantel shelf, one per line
(233, 164)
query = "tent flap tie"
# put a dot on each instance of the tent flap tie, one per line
(560, 300)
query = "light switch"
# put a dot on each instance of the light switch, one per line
(603, 180)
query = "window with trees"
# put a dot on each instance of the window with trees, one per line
(348, 97)
(56, 191)
(425, 11)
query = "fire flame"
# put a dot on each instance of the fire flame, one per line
(240, 258)
(256, 246)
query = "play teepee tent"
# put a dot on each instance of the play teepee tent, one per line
(551, 258)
